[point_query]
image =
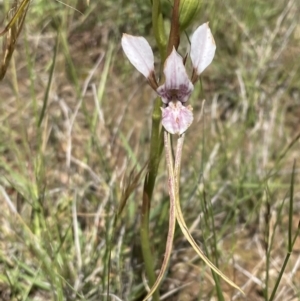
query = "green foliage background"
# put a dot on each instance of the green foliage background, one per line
(66, 177)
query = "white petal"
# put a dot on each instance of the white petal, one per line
(177, 85)
(203, 48)
(139, 53)
(176, 118)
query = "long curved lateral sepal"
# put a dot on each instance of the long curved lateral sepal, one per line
(172, 220)
(191, 240)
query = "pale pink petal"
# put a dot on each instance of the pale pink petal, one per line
(177, 85)
(203, 48)
(176, 118)
(139, 53)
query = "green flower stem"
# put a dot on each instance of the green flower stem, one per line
(156, 146)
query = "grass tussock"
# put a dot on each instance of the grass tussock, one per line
(74, 139)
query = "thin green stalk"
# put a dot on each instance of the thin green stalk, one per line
(287, 257)
(156, 147)
(214, 243)
(291, 209)
(155, 154)
(103, 80)
(268, 248)
(46, 96)
(291, 241)
(270, 243)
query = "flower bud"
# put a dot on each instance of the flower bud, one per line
(188, 10)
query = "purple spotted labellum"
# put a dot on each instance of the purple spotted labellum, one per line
(177, 116)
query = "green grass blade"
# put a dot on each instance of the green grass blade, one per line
(46, 96)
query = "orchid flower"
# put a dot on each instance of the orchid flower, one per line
(177, 116)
